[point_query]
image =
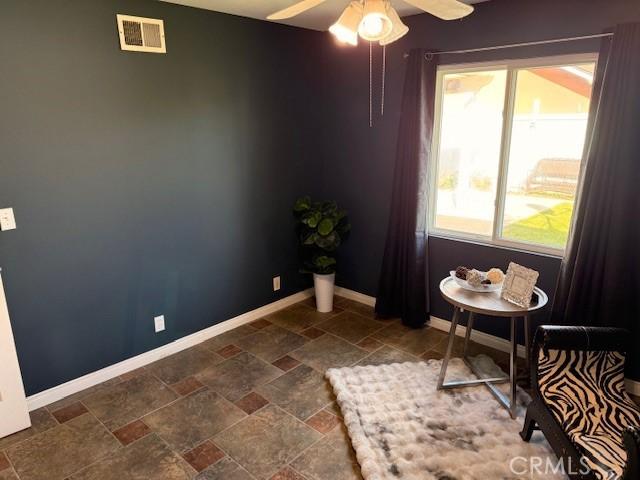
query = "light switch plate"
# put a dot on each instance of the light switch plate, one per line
(7, 220)
(159, 323)
(276, 283)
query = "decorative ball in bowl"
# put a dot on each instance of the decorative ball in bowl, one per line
(477, 280)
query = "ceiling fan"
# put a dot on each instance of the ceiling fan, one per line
(376, 20)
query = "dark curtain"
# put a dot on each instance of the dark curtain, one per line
(599, 281)
(403, 287)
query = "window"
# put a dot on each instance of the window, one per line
(509, 140)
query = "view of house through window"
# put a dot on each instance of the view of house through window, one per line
(509, 145)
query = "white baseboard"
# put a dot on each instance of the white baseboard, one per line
(501, 344)
(477, 336)
(356, 296)
(59, 392)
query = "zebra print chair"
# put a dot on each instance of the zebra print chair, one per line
(580, 402)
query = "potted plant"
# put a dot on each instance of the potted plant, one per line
(321, 228)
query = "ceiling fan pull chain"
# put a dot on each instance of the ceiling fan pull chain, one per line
(370, 84)
(384, 71)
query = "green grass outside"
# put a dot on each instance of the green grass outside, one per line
(549, 227)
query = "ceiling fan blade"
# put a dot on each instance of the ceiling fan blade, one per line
(295, 9)
(444, 9)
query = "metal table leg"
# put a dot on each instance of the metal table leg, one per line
(527, 342)
(466, 383)
(513, 366)
(507, 401)
(447, 355)
(468, 334)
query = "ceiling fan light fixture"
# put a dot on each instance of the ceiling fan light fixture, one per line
(346, 28)
(398, 29)
(375, 24)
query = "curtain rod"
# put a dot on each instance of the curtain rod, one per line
(523, 44)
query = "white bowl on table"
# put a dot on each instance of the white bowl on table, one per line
(492, 287)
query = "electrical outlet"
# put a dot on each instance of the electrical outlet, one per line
(159, 323)
(276, 283)
(7, 220)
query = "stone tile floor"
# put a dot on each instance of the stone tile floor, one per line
(250, 404)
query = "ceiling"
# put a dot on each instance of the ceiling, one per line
(318, 18)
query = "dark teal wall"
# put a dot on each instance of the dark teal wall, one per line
(146, 184)
(359, 165)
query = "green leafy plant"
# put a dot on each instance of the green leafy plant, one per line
(321, 228)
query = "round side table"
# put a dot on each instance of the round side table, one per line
(487, 303)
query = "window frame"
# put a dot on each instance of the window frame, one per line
(511, 67)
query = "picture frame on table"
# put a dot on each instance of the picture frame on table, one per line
(518, 285)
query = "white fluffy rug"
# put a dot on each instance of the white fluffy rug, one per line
(402, 428)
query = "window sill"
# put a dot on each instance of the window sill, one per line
(455, 238)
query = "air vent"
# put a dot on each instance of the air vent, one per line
(139, 34)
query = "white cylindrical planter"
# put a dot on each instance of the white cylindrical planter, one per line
(323, 285)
